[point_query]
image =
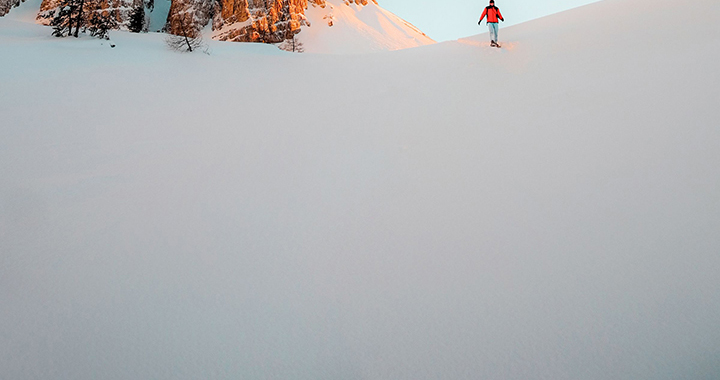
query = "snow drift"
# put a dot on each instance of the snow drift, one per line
(342, 27)
(545, 211)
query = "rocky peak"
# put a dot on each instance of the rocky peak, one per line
(6, 5)
(194, 14)
(119, 10)
(269, 21)
(266, 21)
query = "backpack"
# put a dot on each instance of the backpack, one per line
(488, 8)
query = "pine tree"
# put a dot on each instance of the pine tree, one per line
(73, 16)
(137, 18)
(62, 18)
(100, 23)
(79, 18)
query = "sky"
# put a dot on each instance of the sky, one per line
(449, 20)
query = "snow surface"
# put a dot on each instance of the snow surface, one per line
(357, 29)
(546, 211)
(27, 11)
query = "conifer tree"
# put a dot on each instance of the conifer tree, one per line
(100, 23)
(137, 18)
(73, 16)
(79, 17)
(62, 18)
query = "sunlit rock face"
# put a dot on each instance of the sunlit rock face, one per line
(6, 5)
(117, 9)
(193, 14)
(268, 21)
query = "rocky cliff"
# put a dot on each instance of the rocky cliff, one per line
(264, 20)
(328, 26)
(119, 10)
(6, 5)
(269, 21)
(260, 20)
(193, 14)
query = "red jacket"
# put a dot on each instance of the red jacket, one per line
(492, 13)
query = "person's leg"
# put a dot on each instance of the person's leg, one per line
(493, 27)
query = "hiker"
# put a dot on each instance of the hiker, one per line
(493, 14)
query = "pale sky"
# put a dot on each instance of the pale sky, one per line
(452, 19)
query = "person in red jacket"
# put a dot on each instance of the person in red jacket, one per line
(493, 14)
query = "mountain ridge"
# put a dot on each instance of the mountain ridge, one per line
(275, 22)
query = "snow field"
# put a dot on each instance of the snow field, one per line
(549, 211)
(357, 29)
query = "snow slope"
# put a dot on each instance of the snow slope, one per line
(26, 12)
(546, 211)
(352, 28)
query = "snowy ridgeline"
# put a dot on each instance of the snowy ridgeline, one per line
(316, 26)
(549, 210)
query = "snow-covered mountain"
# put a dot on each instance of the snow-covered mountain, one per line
(322, 26)
(549, 210)
(339, 26)
(326, 26)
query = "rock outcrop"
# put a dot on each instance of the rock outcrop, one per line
(266, 21)
(7, 5)
(269, 21)
(119, 10)
(194, 14)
